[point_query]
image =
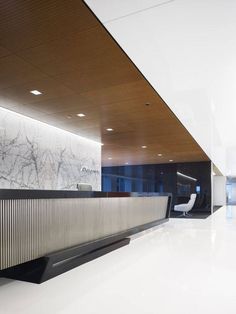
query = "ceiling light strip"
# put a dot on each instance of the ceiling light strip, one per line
(185, 176)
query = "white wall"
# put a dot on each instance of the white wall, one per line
(219, 190)
(34, 155)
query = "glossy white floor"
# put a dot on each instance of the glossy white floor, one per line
(186, 266)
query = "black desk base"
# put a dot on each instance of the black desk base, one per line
(52, 265)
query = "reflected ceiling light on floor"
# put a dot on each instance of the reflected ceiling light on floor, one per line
(171, 160)
(69, 117)
(144, 146)
(110, 158)
(35, 92)
(185, 176)
(80, 115)
(109, 129)
(126, 163)
(159, 155)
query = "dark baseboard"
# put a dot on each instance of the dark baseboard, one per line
(192, 215)
(52, 265)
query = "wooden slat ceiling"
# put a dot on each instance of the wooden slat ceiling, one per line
(59, 48)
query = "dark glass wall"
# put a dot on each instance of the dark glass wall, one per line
(180, 179)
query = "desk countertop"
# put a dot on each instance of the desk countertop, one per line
(39, 194)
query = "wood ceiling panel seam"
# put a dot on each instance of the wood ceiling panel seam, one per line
(45, 43)
(51, 7)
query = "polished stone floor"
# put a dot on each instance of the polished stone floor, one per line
(187, 266)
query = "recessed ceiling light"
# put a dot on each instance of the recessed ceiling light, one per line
(144, 146)
(35, 92)
(171, 160)
(109, 129)
(110, 158)
(80, 115)
(159, 155)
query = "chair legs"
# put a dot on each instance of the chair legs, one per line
(185, 214)
(188, 215)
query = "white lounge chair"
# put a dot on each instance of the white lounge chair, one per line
(185, 208)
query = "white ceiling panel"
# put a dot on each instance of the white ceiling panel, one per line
(187, 51)
(108, 10)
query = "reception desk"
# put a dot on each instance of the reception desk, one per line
(44, 233)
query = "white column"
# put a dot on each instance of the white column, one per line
(219, 190)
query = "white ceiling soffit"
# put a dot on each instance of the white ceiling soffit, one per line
(187, 50)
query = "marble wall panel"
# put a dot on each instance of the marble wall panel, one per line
(34, 155)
